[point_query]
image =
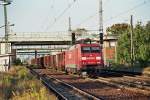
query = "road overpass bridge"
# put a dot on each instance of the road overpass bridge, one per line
(38, 38)
(25, 43)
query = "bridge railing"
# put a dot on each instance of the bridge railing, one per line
(38, 37)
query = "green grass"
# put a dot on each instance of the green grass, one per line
(20, 84)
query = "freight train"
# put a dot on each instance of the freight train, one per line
(79, 58)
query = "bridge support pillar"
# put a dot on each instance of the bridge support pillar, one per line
(13, 51)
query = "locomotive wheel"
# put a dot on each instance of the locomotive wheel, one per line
(66, 72)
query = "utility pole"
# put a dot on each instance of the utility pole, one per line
(35, 54)
(101, 25)
(100, 16)
(101, 21)
(131, 38)
(72, 33)
(6, 27)
(69, 29)
(5, 3)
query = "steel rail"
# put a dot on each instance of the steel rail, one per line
(91, 97)
(76, 93)
(125, 85)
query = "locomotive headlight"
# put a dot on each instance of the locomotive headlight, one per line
(83, 58)
(98, 58)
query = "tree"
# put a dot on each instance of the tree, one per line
(118, 28)
(123, 48)
(142, 43)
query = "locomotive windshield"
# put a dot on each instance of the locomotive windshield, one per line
(95, 49)
(87, 49)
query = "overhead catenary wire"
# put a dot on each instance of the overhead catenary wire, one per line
(91, 16)
(69, 5)
(49, 14)
(95, 14)
(87, 19)
(124, 12)
(113, 17)
(61, 14)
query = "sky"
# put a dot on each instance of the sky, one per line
(51, 16)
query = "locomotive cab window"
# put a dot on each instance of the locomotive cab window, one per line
(90, 49)
(95, 49)
(86, 49)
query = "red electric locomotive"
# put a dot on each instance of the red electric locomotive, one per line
(84, 58)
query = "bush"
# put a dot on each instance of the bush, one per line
(17, 62)
(20, 84)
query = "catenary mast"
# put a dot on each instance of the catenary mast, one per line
(101, 21)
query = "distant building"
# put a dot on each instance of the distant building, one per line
(110, 49)
(5, 62)
(5, 59)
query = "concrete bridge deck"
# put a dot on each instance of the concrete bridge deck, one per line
(37, 38)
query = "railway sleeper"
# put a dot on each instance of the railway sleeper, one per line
(125, 86)
(59, 88)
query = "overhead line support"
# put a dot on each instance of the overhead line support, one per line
(101, 21)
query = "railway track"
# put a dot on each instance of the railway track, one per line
(143, 79)
(103, 90)
(133, 80)
(117, 72)
(63, 90)
(128, 82)
(95, 88)
(139, 81)
(126, 79)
